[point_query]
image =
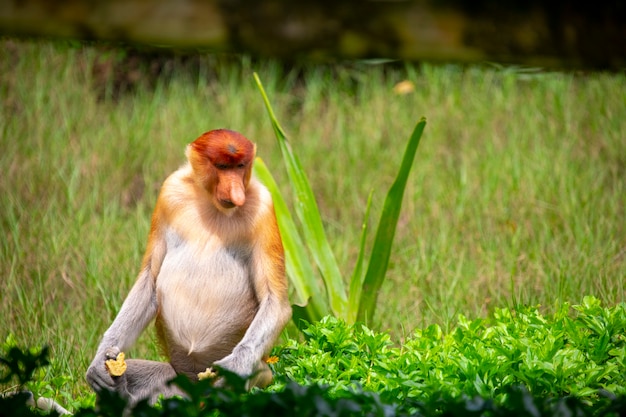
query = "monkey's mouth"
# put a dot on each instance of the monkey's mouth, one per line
(227, 204)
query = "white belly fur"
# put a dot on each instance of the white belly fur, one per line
(198, 289)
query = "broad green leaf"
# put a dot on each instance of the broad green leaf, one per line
(381, 250)
(308, 213)
(299, 269)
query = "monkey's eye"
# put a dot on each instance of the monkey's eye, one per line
(241, 165)
(221, 166)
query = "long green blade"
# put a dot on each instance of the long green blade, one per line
(299, 269)
(385, 233)
(308, 213)
(356, 282)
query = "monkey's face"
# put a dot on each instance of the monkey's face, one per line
(230, 187)
(222, 163)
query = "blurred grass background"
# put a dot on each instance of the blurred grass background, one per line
(518, 193)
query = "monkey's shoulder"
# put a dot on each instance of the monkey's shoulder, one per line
(179, 187)
(258, 198)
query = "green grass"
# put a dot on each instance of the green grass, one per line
(517, 196)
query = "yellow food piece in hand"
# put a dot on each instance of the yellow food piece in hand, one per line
(208, 374)
(117, 366)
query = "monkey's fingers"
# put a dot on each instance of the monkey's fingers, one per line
(116, 367)
(112, 352)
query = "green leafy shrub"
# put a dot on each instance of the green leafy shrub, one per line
(576, 352)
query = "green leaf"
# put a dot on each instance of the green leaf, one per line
(299, 269)
(308, 214)
(379, 260)
(356, 282)
(302, 315)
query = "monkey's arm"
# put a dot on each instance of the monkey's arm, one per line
(137, 311)
(274, 308)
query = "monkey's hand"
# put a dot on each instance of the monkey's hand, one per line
(241, 361)
(98, 375)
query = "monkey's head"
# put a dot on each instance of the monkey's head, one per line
(222, 164)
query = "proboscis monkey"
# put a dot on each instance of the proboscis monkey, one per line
(213, 276)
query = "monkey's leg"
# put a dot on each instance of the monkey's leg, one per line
(147, 380)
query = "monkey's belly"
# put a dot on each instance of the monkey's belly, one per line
(206, 303)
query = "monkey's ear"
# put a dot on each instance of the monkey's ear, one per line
(197, 164)
(253, 151)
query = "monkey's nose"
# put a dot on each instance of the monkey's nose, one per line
(237, 196)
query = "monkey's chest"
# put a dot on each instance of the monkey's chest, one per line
(205, 296)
